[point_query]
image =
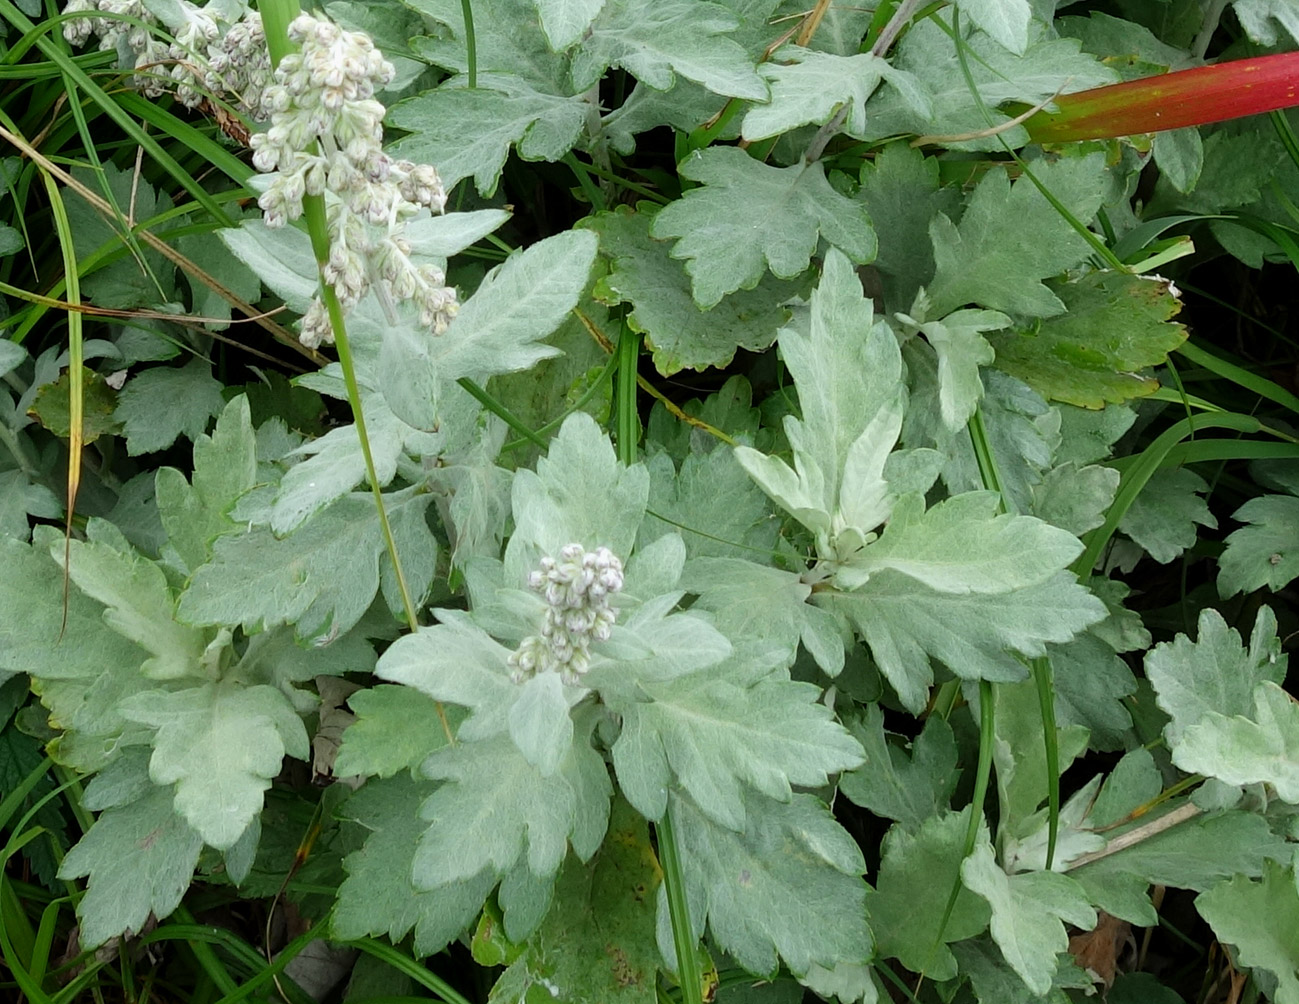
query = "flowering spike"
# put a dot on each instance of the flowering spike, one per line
(326, 138)
(1172, 100)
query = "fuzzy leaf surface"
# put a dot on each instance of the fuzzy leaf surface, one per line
(139, 859)
(989, 258)
(918, 870)
(807, 86)
(596, 945)
(716, 737)
(787, 888)
(220, 745)
(379, 896)
(907, 623)
(654, 40)
(850, 391)
(1163, 518)
(164, 403)
(225, 467)
(891, 784)
(139, 605)
(962, 545)
(1247, 750)
(496, 809)
(681, 335)
(1262, 553)
(1260, 919)
(507, 110)
(322, 577)
(1215, 674)
(747, 217)
(1028, 912)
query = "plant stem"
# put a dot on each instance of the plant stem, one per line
(276, 17)
(689, 974)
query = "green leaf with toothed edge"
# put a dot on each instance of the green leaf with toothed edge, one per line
(219, 745)
(746, 217)
(139, 859)
(788, 888)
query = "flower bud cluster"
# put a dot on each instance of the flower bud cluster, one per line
(209, 56)
(326, 139)
(576, 589)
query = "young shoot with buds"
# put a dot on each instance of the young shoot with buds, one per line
(576, 589)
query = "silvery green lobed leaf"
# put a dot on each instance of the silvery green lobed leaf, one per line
(321, 578)
(963, 545)
(379, 896)
(958, 342)
(448, 234)
(163, 403)
(1017, 755)
(139, 859)
(1075, 498)
(395, 728)
(579, 493)
(456, 661)
(1263, 552)
(1028, 914)
(803, 904)
(68, 650)
(750, 600)
(1215, 674)
(1163, 517)
(894, 785)
(1260, 19)
(596, 944)
(809, 86)
(564, 21)
(139, 604)
(508, 38)
(851, 394)
(496, 810)
(919, 868)
(1010, 238)
(902, 193)
(907, 623)
(681, 334)
(747, 217)
(497, 330)
(1005, 20)
(219, 744)
(1261, 747)
(654, 40)
(1259, 919)
(225, 467)
(711, 492)
(715, 738)
(508, 111)
(281, 257)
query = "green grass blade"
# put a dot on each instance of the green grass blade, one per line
(1240, 376)
(1134, 478)
(689, 974)
(74, 72)
(404, 964)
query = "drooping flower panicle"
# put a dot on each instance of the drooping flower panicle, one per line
(326, 139)
(576, 589)
(221, 56)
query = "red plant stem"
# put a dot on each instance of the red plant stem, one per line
(1172, 101)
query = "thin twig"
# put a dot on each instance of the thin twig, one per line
(994, 130)
(1185, 811)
